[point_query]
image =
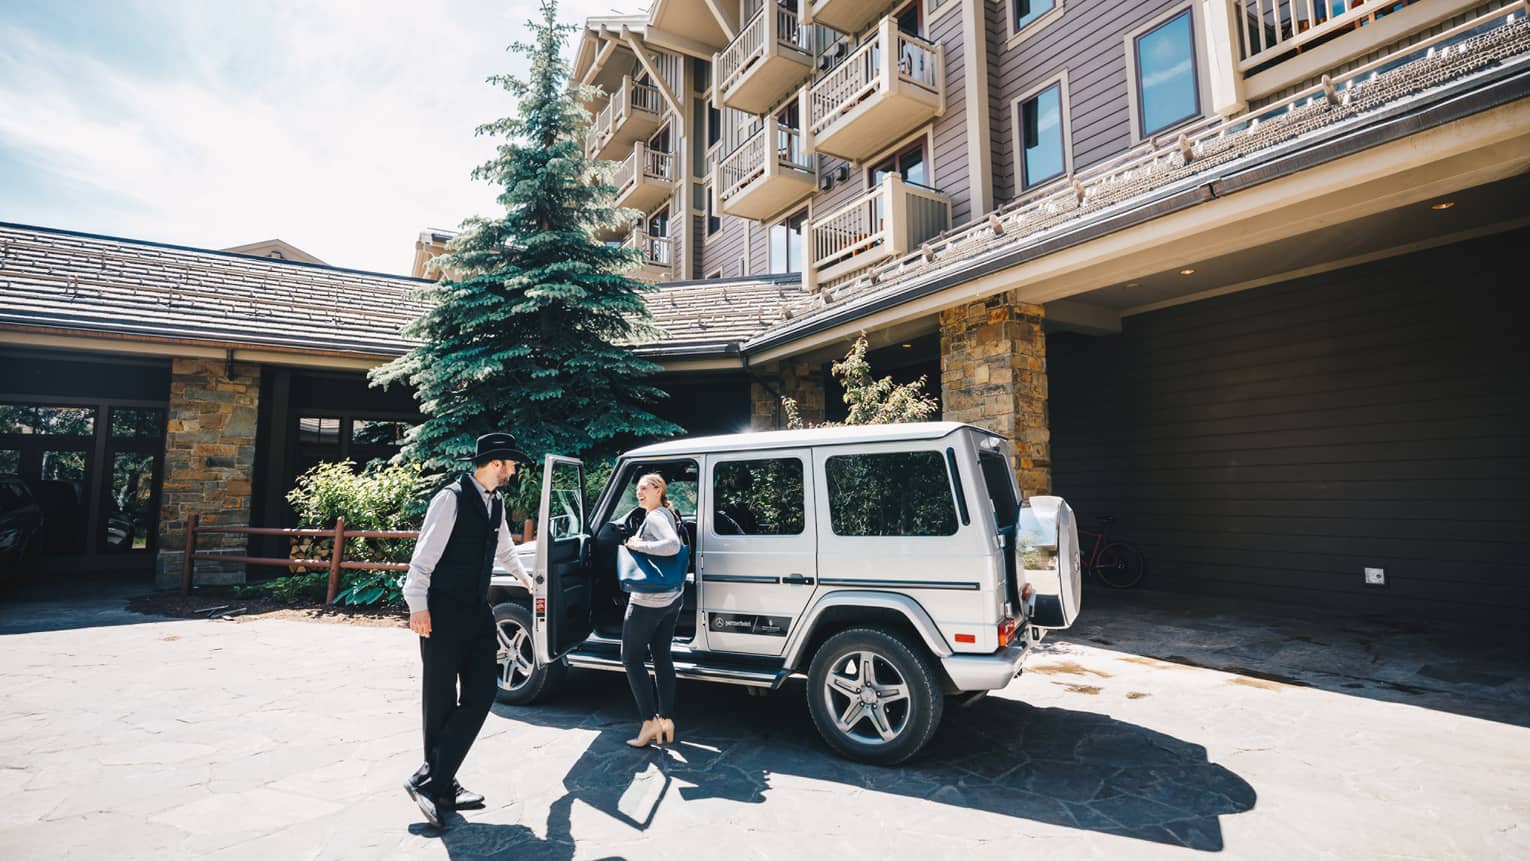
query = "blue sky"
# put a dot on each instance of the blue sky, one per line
(344, 127)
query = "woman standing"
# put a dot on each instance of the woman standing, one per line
(649, 626)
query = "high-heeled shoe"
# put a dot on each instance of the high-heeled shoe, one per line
(666, 731)
(648, 734)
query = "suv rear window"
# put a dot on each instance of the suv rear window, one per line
(759, 497)
(897, 493)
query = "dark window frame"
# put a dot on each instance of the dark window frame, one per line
(1188, 13)
(770, 244)
(1026, 182)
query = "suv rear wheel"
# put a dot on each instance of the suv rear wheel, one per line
(521, 682)
(873, 696)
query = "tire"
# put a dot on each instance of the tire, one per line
(1120, 565)
(888, 727)
(516, 685)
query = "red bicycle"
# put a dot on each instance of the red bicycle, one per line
(1119, 563)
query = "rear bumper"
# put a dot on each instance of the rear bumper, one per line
(987, 672)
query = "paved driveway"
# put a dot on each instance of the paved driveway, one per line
(127, 737)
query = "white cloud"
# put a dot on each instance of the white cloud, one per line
(343, 128)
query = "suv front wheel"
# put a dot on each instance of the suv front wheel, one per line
(873, 696)
(521, 681)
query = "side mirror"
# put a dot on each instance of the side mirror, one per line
(1047, 543)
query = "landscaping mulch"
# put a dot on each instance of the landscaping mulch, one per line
(220, 602)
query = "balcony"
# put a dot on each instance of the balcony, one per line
(846, 16)
(634, 112)
(658, 252)
(891, 85)
(766, 173)
(888, 221)
(771, 56)
(645, 179)
(1279, 44)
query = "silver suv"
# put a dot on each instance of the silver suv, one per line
(893, 565)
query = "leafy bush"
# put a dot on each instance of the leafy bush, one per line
(380, 498)
(871, 401)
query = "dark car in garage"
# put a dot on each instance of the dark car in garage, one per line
(21, 530)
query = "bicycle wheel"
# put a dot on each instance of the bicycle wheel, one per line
(1120, 565)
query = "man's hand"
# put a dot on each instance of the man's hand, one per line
(530, 587)
(420, 623)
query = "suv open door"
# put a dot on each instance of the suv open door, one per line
(563, 595)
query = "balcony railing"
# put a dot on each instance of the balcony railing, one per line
(766, 174)
(644, 178)
(891, 85)
(658, 253)
(890, 220)
(770, 56)
(633, 112)
(1269, 30)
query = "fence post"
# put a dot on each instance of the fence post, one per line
(191, 547)
(528, 530)
(335, 555)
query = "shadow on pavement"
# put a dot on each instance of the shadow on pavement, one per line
(63, 603)
(1471, 671)
(1057, 766)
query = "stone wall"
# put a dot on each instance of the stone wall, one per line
(802, 382)
(209, 461)
(993, 374)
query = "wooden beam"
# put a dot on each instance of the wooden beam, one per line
(605, 53)
(722, 20)
(658, 80)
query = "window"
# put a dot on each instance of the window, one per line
(786, 244)
(681, 476)
(759, 497)
(10, 461)
(25, 420)
(137, 424)
(714, 223)
(908, 163)
(1027, 11)
(317, 431)
(1166, 77)
(1041, 137)
(1001, 489)
(899, 493)
(714, 125)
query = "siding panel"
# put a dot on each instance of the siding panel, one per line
(1274, 442)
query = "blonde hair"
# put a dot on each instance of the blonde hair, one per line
(658, 481)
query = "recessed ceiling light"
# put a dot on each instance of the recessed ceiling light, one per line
(1133, 285)
(905, 346)
(1188, 270)
(1444, 204)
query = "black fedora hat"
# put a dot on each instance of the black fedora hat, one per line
(498, 446)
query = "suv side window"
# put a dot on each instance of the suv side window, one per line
(1001, 491)
(896, 493)
(759, 497)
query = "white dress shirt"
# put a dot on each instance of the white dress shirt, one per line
(440, 518)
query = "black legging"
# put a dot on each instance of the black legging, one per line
(650, 630)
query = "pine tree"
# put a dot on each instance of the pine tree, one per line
(526, 332)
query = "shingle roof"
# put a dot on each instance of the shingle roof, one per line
(71, 281)
(1135, 177)
(75, 281)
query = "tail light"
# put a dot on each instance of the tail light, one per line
(1006, 632)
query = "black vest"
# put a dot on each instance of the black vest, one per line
(461, 578)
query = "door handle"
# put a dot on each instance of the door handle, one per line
(797, 580)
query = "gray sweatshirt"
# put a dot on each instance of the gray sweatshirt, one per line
(657, 537)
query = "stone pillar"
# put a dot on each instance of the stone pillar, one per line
(209, 463)
(802, 382)
(993, 374)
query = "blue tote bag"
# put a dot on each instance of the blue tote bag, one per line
(640, 572)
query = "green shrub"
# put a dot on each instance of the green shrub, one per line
(379, 498)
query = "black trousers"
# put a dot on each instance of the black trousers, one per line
(459, 686)
(645, 631)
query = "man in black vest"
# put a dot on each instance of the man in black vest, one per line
(447, 590)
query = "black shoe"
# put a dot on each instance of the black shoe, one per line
(463, 799)
(422, 797)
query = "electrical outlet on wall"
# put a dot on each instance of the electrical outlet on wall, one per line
(1375, 577)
